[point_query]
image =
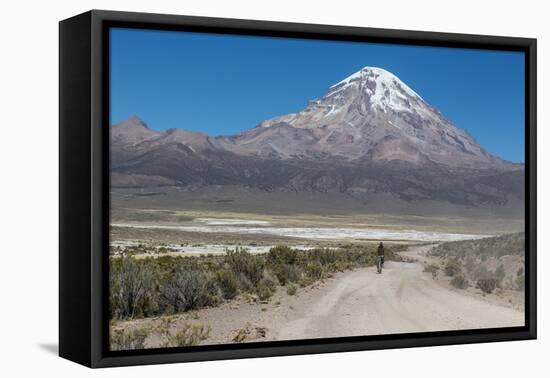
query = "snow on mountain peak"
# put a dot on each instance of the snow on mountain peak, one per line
(359, 74)
(378, 83)
(370, 90)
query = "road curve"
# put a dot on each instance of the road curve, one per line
(402, 299)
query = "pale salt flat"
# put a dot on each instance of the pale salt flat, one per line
(251, 227)
(233, 222)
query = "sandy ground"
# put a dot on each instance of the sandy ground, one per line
(402, 299)
(506, 298)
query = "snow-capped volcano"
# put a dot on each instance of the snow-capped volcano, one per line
(369, 89)
(380, 89)
(368, 135)
(377, 89)
(373, 115)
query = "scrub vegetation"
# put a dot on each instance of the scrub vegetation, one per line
(165, 285)
(487, 264)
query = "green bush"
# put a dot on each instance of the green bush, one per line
(228, 283)
(244, 283)
(190, 289)
(163, 285)
(131, 284)
(431, 268)
(264, 290)
(128, 339)
(291, 289)
(460, 282)
(189, 335)
(487, 285)
(269, 281)
(241, 335)
(339, 266)
(315, 271)
(286, 273)
(453, 267)
(245, 264)
(324, 256)
(304, 281)
(249, 332)
(281, 255)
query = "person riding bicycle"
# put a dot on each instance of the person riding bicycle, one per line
(380, 254)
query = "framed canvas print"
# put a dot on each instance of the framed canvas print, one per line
(234, 188)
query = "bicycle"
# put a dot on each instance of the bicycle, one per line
(379, 264)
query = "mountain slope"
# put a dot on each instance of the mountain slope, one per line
(370, 114)
(369, 134)
(131, 132)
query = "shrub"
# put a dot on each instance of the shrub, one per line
(189, 335)
(167, 321)
(128, 339)
(431, 268)
(304, 281)
(264, 290)
(323, 256)
(287, 273)
(281, 255)
(228, 283)
(249, 331)
(240, 335)
(460, 282)
(244, 282)
(291, 289)
(189, 289)
(487, 285)
(453, 267)
(339, 266)
(315, 271)
(170, 284)
(245, 264)
(130, 284)
(269, 281)
(480, 271)
(213, 293)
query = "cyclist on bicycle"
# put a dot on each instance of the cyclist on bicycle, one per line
(380, 254)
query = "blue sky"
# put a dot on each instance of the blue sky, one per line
(223, 85)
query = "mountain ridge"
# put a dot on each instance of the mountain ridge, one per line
(368, 133)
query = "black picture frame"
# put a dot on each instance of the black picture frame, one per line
(84, 187)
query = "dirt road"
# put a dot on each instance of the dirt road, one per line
(401, 299)
(361, 302)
